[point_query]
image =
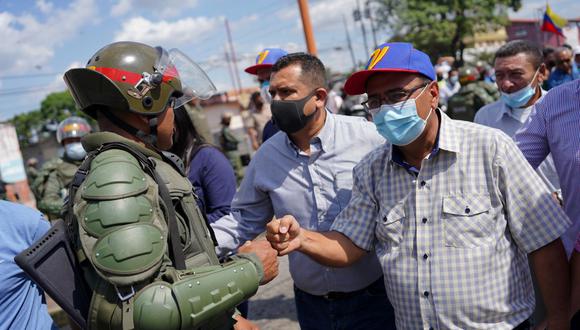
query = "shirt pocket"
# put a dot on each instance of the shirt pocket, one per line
(467, 220)
(389, 229)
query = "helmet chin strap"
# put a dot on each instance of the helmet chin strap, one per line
(147, 138)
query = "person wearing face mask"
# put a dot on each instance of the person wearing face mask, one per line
(449, 87)
(257, 119)
(520, 72)
(452, 209)
(262, 70)
(306, 170)
(56, 175)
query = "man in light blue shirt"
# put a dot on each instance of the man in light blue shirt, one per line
(519, 72)
(22, 303)
(306, 171)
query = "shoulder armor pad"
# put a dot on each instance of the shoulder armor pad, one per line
(114, 174)
(100, 217)
(175, 182)
(130, 254)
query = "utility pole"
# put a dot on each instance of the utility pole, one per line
(230, 71)
(233, 54)
(370, 18)
(307, 26)
(349, 43)
(357, 14)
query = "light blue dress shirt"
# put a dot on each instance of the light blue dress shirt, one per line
(499, 115)
(22, 303)
(282, 180)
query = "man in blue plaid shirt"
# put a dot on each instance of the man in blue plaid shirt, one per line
(452, 209)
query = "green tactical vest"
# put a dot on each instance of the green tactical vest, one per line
(118, 202)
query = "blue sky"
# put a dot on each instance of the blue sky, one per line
(41, 39)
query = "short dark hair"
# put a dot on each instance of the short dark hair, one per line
(313, 71)
(516, 47)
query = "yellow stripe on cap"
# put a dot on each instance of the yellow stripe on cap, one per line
(263, 56)
(377, 56)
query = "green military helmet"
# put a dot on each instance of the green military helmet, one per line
(134, 77)
(72, 127)
(467, 75)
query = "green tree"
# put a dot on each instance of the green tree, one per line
(440, 27)
(56, 106)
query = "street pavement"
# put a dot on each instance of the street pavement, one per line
(273, 306)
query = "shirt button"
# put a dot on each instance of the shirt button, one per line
(467, 210)
(424, 220)
(423, 183)
(425, 256)
(426, 293)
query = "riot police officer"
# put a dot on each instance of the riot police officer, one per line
(142, 242)
(51, 184)
(471, 96)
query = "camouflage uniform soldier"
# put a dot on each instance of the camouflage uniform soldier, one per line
(52, 183)
(143, 244)
(229, 144)
(470, 97)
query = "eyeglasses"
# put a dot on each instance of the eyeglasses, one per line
(373, 104)
(564, 61)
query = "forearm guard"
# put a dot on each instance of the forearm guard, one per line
(201, 298)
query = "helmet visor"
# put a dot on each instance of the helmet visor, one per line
(194, 81)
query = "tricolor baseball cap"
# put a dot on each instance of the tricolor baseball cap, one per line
(266, 59)
(391, 57)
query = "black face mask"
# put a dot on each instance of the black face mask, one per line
(289, 115)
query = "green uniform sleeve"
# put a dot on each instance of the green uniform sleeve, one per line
(52, 199)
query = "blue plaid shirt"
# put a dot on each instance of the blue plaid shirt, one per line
(453, 240)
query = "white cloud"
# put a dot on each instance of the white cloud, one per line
(324, 14)
(44, 6)
(30, 42)
(167, 8)
(181, 32)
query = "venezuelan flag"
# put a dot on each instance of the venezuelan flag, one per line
(552, 22)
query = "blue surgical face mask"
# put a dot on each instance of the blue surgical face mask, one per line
(520, 98)
(454, 80)
(264, 91)
(399, 123)
(75, 151)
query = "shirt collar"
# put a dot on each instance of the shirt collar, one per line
(447, 135)
(324, 138)
(446, 139)
(505, 110)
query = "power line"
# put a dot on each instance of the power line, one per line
(25, 91)
(32, 75)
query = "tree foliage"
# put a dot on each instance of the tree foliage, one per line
(439, 27)
(53, 109)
